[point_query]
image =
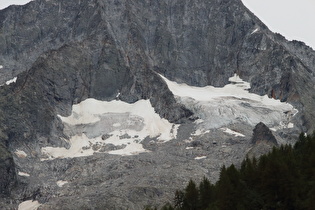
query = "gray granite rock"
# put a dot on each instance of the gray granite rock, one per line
(64, 52)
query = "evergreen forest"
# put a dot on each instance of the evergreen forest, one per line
(282, 179)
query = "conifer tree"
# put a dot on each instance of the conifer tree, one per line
(206, 193)
(191, 197)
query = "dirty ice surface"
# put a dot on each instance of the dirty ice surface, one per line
(233, 103)
(29, 205)
(231, 132)
(20, 153)
(60, 183)
(115, 127)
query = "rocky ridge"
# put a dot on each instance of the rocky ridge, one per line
(64, 52)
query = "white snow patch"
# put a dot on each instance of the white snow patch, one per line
(116, 125)
(188, 140)
(238, 90)
(283, 125)
(199, 121)
(20, 153)
(233, 103)
(125, 125)
(231, 132)
(23, 174)
(197, 132)
(11, 81)
(80, 147)
(189, 147)
(60, 183)
(1, 67)
(200, 132)
(200, 157)
(290, 125)
(5, 4)
(254, 31)
(29, 205)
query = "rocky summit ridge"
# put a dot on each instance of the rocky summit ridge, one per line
(144, 55)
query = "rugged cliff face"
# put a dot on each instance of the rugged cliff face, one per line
(64, 52)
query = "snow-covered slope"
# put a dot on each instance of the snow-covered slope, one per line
(233, 103)
(5, 3)
(115, 127)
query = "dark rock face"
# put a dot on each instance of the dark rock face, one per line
(262, 133)
(262, 141)
(66, 51)
(7, 172)
(199, 43)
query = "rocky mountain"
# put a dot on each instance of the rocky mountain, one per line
(114, 104)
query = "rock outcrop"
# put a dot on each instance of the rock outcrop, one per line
(262, 134)
(7, 172)
(263, 141)
(64, 52)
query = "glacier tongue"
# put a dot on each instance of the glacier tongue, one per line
(233, 103)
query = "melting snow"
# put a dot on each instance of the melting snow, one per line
(5, 4)
(199, 132)
(229, 131)
(29, 205)
(290, 125)
(60, 183)
(282, 126)
(116, 125)
(233, 103)
(23, 174)
(94, 124)
(10, 81)
(256, 30)
(238, 90)
(199, 121)
(20, 153)
(200, 157)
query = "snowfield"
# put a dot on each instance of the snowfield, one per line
(5, 3)
(114, 127)
(233, 103)
(117, 127)
(29, 205)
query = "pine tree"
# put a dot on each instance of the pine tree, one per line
(206, 194)
(191, 197)
(282, 179)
